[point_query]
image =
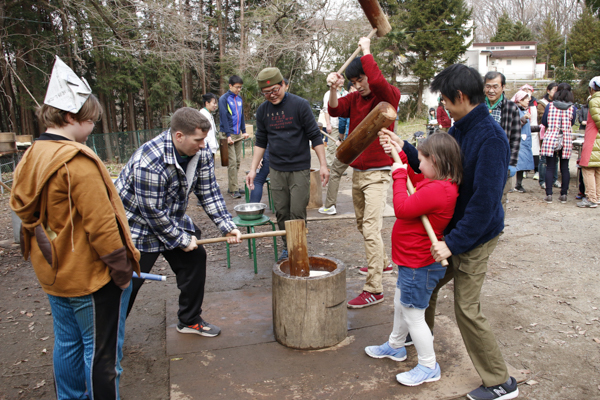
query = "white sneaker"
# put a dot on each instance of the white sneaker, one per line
(329, 211)
(536, 176)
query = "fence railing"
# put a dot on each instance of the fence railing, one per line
(119, 146)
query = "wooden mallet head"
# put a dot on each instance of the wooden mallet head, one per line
(382, 116)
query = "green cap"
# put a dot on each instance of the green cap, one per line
(269, 77)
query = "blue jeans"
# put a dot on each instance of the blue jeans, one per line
(88, 343)
(417, 284)
(259, 180)
(542, 170)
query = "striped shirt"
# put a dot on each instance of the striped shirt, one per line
(155, 191)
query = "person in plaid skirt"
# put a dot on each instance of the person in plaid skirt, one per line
(557, 143)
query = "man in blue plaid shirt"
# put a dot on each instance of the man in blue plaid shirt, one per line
(155, 186)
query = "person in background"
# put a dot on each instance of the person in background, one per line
(332, 125)
(542, 104)
(590, 152)
(525, 162)
(557, 144)
(535, 128)
(505, 113)
(75, 231)
(337, 170)
(582, 116)
(431, 116)
(211, 104)
(233, 126)
(442, 116)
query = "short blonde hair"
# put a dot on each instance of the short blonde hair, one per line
(52, 117)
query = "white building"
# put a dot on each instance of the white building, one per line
(516, 60)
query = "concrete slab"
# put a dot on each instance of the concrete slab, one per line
(245, 362)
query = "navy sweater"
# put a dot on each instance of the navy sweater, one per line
(478, 216)
(287, 128)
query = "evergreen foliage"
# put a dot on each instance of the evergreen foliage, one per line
(550, 43)
(583, 36)
(509, 31)
(429, 35)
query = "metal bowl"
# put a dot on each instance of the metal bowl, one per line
(250, 211)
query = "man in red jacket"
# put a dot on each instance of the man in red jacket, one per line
(372, 169)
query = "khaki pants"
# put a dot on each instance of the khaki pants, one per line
(591, 180)
(468, 271)
(504, 200)
(291, 192)
(233, 169)
(331, 146)
(335, 174)
(369, 192)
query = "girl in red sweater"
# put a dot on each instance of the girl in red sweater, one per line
(418, 273)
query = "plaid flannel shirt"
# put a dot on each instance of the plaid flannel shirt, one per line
(155, 191)
(510, 121)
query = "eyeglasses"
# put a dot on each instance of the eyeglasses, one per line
(271, 92)
(489, 87)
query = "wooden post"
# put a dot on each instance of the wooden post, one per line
(297, 247)
(316, 192)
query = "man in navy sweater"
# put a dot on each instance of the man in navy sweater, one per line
(478, 219)
(286, 124)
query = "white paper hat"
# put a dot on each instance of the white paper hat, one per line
(595, 80)
(66, 91)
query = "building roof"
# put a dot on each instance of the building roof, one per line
(503, 44)
(513, 53)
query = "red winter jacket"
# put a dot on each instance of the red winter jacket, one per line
(357, 107)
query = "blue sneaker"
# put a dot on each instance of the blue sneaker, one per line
(386, 351)
(284, 255)
(419, 374)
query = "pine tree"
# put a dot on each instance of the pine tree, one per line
(521, 33)
(549, 44)
(431, 34)
(584, 32)
(504, 32)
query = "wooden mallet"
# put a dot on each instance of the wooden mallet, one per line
(295, 233)
(366, 132)
(378, 21)
(411, 191)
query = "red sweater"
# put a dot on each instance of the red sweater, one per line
(442, 118)
(434, 198)
(357, 107)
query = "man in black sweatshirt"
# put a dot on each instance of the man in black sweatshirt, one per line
(285, 122)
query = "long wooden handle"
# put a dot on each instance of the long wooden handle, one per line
(424, 219)
(247, 236)
(5, 186)
(348, 61)
(330, 137)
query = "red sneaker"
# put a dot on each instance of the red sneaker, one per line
(387, 270)
(365, 299)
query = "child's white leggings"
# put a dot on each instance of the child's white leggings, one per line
(408, 319)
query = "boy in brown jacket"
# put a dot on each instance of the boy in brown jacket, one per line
(76, 233)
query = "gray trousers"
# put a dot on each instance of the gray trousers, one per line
(291, 192)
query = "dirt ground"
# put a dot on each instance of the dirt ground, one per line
(541, 296)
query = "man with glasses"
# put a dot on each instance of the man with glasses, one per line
(286, 124)
(233, 126)
(506, 113)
